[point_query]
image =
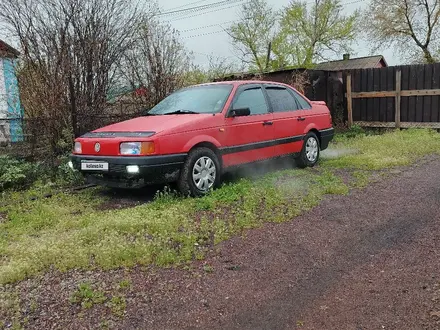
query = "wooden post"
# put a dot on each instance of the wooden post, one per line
(349, 101)
(398, 96)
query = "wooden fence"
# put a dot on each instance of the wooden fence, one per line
(320, 86)
(401, 96)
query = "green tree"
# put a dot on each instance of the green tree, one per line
(309, 34)
(253, 33)
(411, 25)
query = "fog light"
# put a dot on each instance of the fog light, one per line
(132, 169)
(70, 165)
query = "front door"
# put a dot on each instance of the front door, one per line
(249, 138)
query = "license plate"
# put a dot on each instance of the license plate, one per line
(94, 166)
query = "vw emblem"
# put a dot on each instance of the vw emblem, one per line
(97, 147)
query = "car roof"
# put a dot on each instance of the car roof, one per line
(244, 82)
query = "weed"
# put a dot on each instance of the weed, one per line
(10, 308)
(362, 179)
(104, 325)
(208, 269)
(86, 296)
(33, 305)
(125, 284)
(117, 304)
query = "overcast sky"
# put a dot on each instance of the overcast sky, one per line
(203, 38)
(202, 31)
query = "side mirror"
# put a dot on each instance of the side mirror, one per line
(242, 112)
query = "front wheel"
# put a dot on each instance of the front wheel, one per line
(310, 152)
(200, 173)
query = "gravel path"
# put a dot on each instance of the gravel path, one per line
(370, 260)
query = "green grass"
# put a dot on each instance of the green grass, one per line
(69, 232)
(374, 152)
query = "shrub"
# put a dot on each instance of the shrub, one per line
(18, 174)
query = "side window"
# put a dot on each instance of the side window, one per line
(254, 100)
(281, 100)
(301, 101)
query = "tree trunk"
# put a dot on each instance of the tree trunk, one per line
(428, 56)
(73, 109)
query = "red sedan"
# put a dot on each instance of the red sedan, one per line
(197, 133)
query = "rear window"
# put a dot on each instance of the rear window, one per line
(281, 100)
(301, 100)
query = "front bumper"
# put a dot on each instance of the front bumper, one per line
(326, 136)
(152, 169)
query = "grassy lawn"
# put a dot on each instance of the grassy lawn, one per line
(70, 232)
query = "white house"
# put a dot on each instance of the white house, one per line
(11, 112)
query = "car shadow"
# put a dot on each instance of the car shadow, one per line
(118, 198)
(125, 198)
(259, 169)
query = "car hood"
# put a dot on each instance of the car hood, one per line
(157, 124)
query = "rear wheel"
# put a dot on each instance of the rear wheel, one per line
(310, 152)
(200, 173)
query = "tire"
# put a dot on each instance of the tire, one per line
(188, 182)
(310, 152)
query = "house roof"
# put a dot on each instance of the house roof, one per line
(7, 50)
(352, 64)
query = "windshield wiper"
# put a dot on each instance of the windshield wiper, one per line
(180, 112)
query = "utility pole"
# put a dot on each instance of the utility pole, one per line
(269, 51)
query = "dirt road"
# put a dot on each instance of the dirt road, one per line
(370, 260)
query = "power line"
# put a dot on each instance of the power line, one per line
(206, 12)
(212, 25)
(188, 4)
(204, 34)
(212, 55)
(200, 8)
(206, 26)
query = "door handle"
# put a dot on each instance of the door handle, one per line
(300, 119)
(267, 123)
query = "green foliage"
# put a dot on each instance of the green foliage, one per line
(117, 304)
(65, 142)
(300, 34)
(125, 284)
(352, 132)
(308, 34)
(254, 31)
(362, 179)
(86, 296)
(18, 174)
(208, 269)
(10, 308)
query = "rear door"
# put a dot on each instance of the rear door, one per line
(289, 123)
(249, 138)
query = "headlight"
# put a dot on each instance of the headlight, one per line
(136, 148)
(77, 149)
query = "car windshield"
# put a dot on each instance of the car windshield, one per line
(198, 99)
